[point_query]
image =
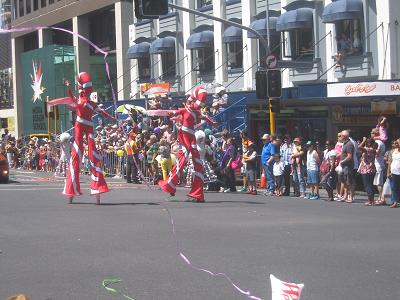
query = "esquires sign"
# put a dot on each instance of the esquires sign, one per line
(38, 119)
(353, 115)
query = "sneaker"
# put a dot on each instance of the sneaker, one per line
(227, 191)
(249, 192)
(221, 190)
(254, 192)
(243, 189)
(314, 197)
(338, 199)
(307, 196)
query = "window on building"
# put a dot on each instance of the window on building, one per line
(43, 3)
(51, 2)
(35, 4)
(168, 61)
(21, 8)
(234, 55)
(301, 43)
(6, 95)
(31, 41)
(28, 6)
(203, 60)
(202, 3)
(144, 68)
(102, 31)
(348, 37)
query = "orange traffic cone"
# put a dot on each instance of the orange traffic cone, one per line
(263, 181)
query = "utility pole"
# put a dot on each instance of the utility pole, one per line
(272, 121)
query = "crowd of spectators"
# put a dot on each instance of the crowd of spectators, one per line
(142, 148)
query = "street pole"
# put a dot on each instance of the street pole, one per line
(272, 121)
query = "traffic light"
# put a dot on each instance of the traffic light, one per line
(274, 84)
(50, 110)
(150, 9)
(274, 105)
(261, 84)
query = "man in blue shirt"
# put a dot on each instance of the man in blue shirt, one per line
(268, 151)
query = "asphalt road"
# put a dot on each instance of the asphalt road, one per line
(53, 250)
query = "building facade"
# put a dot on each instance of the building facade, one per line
(45, 57)
(339, 59)
(6, 95)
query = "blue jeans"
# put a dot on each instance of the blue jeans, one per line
(368, 182)
(395, 187)
(299, 184)
(269, 175)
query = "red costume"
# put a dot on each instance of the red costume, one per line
(85, 108)
(190, 116)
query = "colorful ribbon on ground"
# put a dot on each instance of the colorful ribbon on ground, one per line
(106, 284)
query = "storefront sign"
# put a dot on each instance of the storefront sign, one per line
(363, 89)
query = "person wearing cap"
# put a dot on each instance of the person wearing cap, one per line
(313, 163)
(132, 152)
(267, 154)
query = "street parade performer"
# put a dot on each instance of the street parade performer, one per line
(190, 117)
(84, 108)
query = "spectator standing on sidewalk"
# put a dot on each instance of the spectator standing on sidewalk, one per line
(313, 163)
(367, 168)
(246, 142)
(327, 169)
(379, 165)
(132, 152)
(297, 168)
(394, 174)
(268, 151)
(278, 171)
(347, 164)
(286, 153)
(250, 158)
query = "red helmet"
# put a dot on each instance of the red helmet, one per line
(199, 96)
(84, 82)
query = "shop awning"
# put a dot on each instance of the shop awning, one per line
(163, 45)
(342, 10)
(232, 34)
(295, 19)
(204, 39)
(261, 27)
(138, 50)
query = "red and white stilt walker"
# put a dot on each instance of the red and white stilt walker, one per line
(190, 116)
(84, 108)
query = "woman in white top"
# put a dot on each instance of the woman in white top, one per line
(394, 174)
(313, 163)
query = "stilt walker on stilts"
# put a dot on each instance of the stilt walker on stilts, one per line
(191, 116)
(84, 108)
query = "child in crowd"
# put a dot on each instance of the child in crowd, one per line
(278, 170)
(250, 159)
(382, 126)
